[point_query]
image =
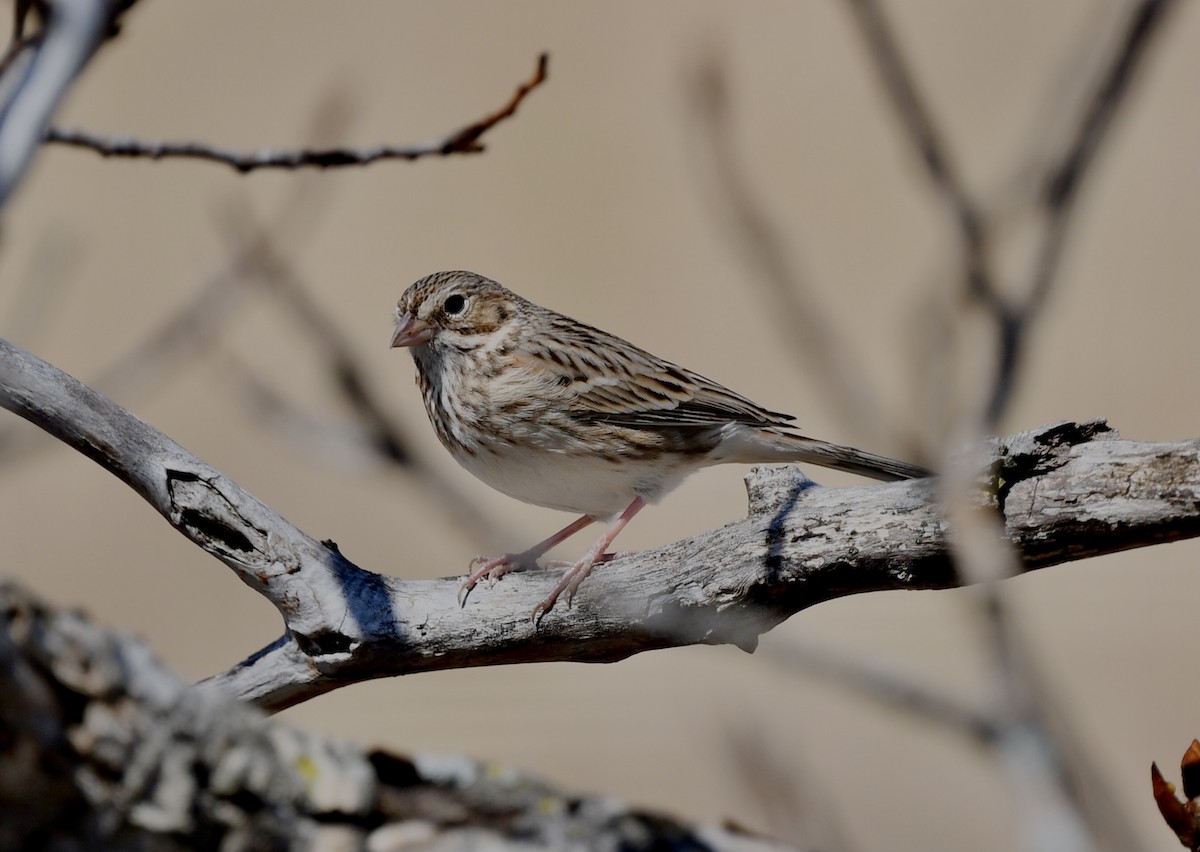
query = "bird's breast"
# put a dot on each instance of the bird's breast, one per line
(518, 438)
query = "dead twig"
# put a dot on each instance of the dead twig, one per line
(466, 140)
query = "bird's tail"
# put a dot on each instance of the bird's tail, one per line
(782, 446)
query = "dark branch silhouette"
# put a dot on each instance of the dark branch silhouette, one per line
(465, 140)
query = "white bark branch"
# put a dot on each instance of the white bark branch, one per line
(1066, 491)
(40, 77)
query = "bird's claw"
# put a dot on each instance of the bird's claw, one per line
(492, 567)
(568, 584)
(496, 567)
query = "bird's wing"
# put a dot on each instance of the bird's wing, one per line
(602, 378)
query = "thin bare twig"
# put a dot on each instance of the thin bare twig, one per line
(922, 132)
(268, 266)
(466, 140)
(1061, 189)
(1012, 317)
(340, 442)
(1063, 183)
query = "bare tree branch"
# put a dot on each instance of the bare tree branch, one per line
(1062, 185)
(465, 140)
(1065, 492)
(38, 77)
(1057, 788)
(1059, 493)
(909, 105)
(255, 265)
(1012, 316)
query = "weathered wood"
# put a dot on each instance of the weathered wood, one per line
(1065, 491)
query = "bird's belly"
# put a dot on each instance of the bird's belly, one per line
(572, 482)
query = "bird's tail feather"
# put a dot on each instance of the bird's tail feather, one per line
(781, 446)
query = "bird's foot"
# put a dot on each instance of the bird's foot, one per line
(571, 581)
(493, 567)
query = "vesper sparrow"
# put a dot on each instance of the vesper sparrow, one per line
(559, 414)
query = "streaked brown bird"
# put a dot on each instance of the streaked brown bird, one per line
(563, 415)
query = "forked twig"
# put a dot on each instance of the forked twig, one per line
(1058, 787)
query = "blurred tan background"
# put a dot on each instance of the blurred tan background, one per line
(594, 200)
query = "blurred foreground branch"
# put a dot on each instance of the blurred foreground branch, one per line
(105, 748)
(1057, 182)
(37, 73)
(1063, 802)
(1065, 492)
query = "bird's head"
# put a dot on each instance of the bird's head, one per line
(453, 311)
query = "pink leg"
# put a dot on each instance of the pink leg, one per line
(571, 580)
(497, 567)
(559, 564)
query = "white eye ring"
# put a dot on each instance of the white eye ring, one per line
(455, 304)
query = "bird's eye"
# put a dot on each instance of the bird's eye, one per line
(455, 303)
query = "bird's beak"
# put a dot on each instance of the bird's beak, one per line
(411, 331)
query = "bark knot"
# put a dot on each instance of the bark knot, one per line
(207, 516)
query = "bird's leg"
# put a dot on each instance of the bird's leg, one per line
(607, 556)
(496, 567)
(571, 580)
